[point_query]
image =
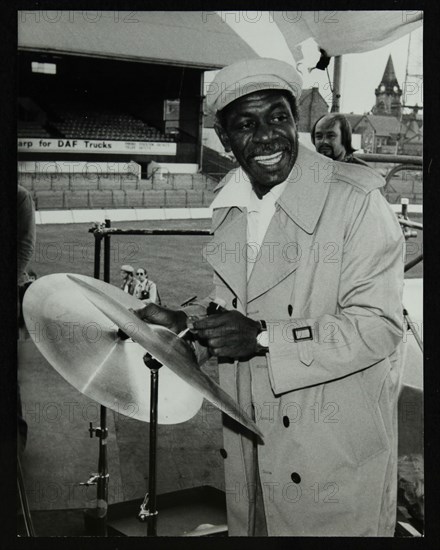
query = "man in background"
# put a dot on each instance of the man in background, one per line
(25, 250)
(25, 233)
(331, 136)
(146, 289)
(129, 282)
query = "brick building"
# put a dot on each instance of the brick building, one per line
(312, 106)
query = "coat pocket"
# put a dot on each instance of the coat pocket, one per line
(374, 378)
(364, 425)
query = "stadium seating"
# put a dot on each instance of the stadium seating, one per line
(129, 182)
(154, 199)
(134, 198)
(109, 181)
(31, 129)
(199, 181)
(67, 185)
(145, 184)
(182, 181)
(71, 120)
(208, 197)
(45, 200)
(61, 182)
(163, 181)
(118, 198)
(79, 182)
(100, 199)
(42, 182)
(194, 198)
(175, 199)
(76, 199)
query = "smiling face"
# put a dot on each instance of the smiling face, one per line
(328, 139)
(260, 130)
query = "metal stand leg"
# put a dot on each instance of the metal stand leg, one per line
(29, 526)
(148, 510)
(96, 519)
(103, 477)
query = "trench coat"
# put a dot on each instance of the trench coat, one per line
(328, 283)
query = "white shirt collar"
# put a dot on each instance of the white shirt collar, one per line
(238, 191)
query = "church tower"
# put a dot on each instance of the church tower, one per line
(388, 93)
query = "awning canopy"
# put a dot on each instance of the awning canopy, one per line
(207, 40)
(343, 32)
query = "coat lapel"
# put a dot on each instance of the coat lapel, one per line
(301, 202)
(225, 253)
(278, 259)
(304, 197)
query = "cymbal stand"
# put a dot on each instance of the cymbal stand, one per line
(148, 511)
(96, 519)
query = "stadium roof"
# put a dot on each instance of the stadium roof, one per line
(206, 40)
(180, 38)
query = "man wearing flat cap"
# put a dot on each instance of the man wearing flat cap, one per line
(128, 280)
(307, 259)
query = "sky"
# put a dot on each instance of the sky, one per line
(361, 73)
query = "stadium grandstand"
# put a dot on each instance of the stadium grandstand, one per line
(82, 121)
(114, 118)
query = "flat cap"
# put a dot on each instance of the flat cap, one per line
(251, 75)
(127, 268)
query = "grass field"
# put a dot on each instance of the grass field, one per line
(174, 262)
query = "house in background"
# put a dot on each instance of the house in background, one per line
(387, 129)
(411, 141)
(311, 107)
(379, 134)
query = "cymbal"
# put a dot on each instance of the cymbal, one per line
(74, 321)
(82, 345)
(165, 346)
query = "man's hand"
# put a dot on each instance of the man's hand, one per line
(228, 334)
(175, 320)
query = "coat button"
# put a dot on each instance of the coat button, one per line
(286, 421)
(223, 453)
(296, 478)
(290, 310)
(234, 302)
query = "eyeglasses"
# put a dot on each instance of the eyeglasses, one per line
(140, 273)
